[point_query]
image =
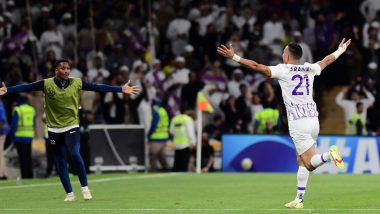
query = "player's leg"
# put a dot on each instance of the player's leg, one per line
(153, 156)
(72, 139)
(162, 157)
(307, 137)
(302, 178)
(57, 144)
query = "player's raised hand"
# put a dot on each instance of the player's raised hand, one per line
(344, 44)
(225, 51)
(3, 89)
(128, 89)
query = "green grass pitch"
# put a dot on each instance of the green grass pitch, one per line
(194, 193)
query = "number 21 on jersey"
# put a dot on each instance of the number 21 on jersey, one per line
(301, 79)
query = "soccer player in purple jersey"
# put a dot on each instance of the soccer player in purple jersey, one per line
(296, 82)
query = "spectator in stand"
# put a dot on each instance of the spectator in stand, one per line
(41, 23)
(215, 129)
(245, 21)
(190, 90)
(240, 47)
(266, 121)
(98, 73)
(234, 84)
(68, 30)
(181, 74)
(9, 26)
(242, 107)
(114, 110)
(349, 105)
(178, 32)
(255, 106)
(191, 62)
(369, 8)
(216, 78)
(356, 123)
(85, 43)
(156, 77)
(52, 39)
(230, 112)
(307, 55)
(273, 34)
(46, 67)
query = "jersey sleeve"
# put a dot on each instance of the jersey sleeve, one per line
(315, 68)
(276, 71)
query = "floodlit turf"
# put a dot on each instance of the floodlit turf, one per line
(193, 193)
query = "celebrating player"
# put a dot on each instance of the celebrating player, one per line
(62, 95)
(296, 82)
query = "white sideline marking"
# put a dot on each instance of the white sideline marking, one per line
(100, 180)
(180, 209)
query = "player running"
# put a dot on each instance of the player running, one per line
(62, 95)
(296, 82)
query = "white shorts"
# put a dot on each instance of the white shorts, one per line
(304, 133)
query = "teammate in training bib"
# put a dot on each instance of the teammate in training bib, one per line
(62, 95)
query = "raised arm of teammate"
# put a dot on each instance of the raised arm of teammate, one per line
(28, 87)
(333, 56)
(126, 88)
(39, 86)
(229, 53)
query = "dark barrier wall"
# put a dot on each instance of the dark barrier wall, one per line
(270, 153)
(119, 146)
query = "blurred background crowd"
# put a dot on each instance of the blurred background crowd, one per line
(168, 48)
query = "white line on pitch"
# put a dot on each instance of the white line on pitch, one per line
(182, 209)
(100, 180)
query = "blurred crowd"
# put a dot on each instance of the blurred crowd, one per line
(168, 48)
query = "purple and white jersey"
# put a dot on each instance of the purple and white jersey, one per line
(296, 83)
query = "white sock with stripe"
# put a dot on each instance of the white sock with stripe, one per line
(302, 177)
(319, 159)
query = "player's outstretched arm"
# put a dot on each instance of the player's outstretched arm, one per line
(3, 89)
(332, 57)
(129, 89)
(229, 53)
(126, 88)
(34, 86)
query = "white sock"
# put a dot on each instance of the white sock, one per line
(319, 159)
(85, 188)
(70, 194)
(302, 177)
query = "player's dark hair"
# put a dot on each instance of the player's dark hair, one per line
(57, 62)
(295, 50)
(358, 104)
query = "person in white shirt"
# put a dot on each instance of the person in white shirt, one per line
(296, 82)
(178, 32)
(307, 55)
(349, 105)
(181, 73)
(368, 8)
(52, 39)
(273, 34)
(98, 73)
(68, 30)
(234, 84)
